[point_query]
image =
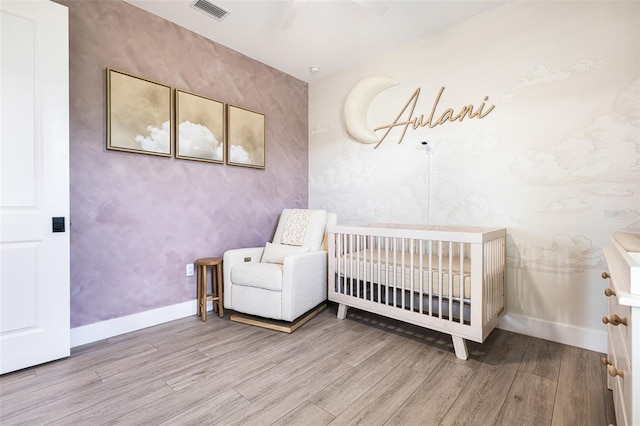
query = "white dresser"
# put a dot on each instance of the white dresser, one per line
(623, 293)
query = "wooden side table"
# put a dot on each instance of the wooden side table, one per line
(216, 286)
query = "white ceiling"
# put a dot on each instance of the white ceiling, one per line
(293, 35)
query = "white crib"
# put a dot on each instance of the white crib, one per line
(446, 278)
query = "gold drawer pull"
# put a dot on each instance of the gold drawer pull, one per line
(605, 361)
(613, 372)
(614, 320)
(605, 275)
(608, 292)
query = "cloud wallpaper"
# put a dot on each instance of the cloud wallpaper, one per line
(556, 162)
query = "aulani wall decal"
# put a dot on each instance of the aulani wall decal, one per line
(356, 107)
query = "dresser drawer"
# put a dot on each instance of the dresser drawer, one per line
(624, 313)
(620, 347)
(617, 385)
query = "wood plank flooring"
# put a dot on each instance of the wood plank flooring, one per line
(365, 370)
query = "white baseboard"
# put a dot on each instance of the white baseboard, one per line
(585, 338)
(569, 335)
(105, 329)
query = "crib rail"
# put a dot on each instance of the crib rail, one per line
(426, 275)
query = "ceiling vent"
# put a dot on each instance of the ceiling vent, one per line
(210, 9)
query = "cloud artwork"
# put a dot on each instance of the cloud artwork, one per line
(200, 133)
(198, 141)
(246, 137)
(237, 154)
(139, 114)
(158, 140)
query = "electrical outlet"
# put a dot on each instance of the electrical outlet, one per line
(189, 269)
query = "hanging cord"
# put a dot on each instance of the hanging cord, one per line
(428, 150)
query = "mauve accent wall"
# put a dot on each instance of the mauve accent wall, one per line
(137, 220)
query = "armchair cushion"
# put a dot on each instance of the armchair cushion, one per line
(275, 253)
(260, 275)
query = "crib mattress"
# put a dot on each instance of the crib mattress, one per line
(399, 272)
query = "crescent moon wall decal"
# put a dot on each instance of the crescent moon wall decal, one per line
(356, 107)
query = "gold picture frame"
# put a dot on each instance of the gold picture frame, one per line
(139, 115)
(199, 128)
(245, 137)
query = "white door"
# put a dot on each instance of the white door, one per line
(34, 183)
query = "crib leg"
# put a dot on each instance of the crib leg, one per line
(460, 347)
(342, 311)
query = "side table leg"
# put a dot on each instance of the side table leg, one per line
(203, 293)
(214, 287)
(199, 290)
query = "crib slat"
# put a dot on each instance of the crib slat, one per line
(351, 274)
(412, 249)
(359, 265)
(348, 264)
(461, 282)
(450, 281)
(430, 276)
(402, 274)
(387, 247)
(339, 278)
(440, 279)
(371, 269)
(367, 274)
(395, 269)
(491, 280)
(420, 269)
(378, 241)
(477, 294)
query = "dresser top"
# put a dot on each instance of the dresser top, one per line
(623, 260)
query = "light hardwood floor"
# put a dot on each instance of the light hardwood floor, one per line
(364, 370)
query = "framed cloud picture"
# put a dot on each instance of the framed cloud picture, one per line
(139, 115)
(245, 137)
(200, 128)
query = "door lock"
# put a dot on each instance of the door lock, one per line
(57, 224)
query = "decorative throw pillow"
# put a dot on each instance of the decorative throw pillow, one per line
(314, 232)
(275, 253)
(295, 227)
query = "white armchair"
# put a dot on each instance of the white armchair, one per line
(287, 277)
